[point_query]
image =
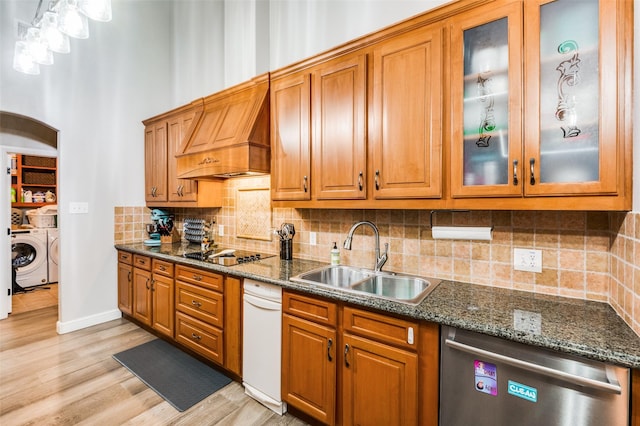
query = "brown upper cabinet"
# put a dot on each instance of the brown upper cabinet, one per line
(291, 137)
(339, 149)
(163, 135)
(498, 104)
(545, 122)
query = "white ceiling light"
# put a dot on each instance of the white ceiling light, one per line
(98, 10)
(49, 32)
(71, 22)
(22, 60)
(56, 40)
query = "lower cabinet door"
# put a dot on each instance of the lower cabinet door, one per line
(142, 295)
(309, 368)
(162, 302)
(380, 384)
(199, 336)
(125, 288)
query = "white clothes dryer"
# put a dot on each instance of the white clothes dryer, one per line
(29, 255)
(52, 250)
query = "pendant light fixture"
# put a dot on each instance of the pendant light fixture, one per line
(50, 31)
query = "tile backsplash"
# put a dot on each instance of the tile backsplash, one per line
(586, 255)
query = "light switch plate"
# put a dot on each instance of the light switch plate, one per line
(221, 230)
(312, 238)
(78, 207)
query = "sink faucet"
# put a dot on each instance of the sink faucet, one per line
(380, 259)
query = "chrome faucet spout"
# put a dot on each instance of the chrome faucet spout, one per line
(380, 259)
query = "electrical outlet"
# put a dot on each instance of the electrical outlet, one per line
(527, 260)
(312, 238)
(221, 230)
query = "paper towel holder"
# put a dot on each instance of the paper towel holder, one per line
(459, 232)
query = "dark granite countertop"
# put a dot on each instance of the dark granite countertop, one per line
(578, 327)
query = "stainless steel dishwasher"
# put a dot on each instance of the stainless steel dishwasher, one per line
(485, 380)
(261, 343)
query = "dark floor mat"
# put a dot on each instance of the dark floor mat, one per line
(176, 376)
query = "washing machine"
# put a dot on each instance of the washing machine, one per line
(29, 254)
(52, 250)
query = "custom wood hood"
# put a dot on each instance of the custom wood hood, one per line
(229, 135)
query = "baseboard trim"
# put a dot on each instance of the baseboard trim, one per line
(80, 323)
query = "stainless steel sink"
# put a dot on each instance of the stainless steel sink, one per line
(399, 287)
(402, 288)
(334, 276)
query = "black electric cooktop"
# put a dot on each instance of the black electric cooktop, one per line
(230, 259)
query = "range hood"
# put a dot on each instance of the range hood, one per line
(229, 135)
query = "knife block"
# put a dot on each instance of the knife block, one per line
(174, 237)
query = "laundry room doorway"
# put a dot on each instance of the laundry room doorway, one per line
(28, 256)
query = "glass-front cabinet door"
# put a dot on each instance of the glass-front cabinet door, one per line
(486, 114)
(571, 98)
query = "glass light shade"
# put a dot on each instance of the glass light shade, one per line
(98, 10)
(56, 40)
(71, 22)
(38, 47)
(22, 60)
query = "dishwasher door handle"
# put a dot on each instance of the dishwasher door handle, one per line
(261, 303)
(536, 368)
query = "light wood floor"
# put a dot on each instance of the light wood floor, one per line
(39, 297)
(72, 379)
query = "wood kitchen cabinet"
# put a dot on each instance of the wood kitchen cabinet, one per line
(291, 137)
(125, 282)
(565, 94)
(199, 310)
(164, 135)
(366, 368)
(142, 289)
(339, 110)
(309, 357)
(406, 130)
(155, 162)
(162, 296)
(490, 105)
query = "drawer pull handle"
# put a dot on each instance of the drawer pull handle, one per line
(194, 336)
(197, 277)
(329, 344)
(162, 268)
(346, 360)
(196, 303)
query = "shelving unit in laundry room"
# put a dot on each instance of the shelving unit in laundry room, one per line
(35, 174)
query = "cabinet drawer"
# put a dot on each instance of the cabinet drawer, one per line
(200, 337)
(316, 310)
(382, 328)
(196, 276)
(142, 262)
(125, 257)
(162, 267)
(201, 303)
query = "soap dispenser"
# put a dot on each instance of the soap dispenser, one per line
(335, 254)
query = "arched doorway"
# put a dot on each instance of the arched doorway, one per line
(24, 135)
